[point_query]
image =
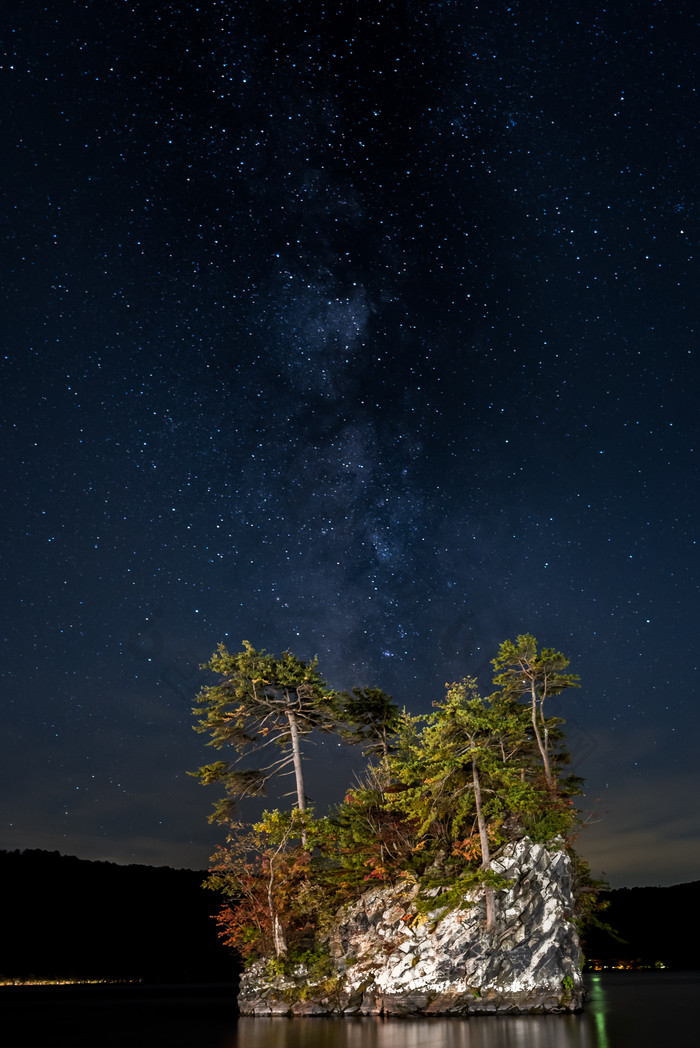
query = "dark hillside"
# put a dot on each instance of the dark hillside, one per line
(656, 924)
(68, 917)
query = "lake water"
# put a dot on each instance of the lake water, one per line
(624, 1010)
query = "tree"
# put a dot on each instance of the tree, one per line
(265, 878)
(369, 717)
(467, 725)
(263, 704)
(366, 837)
(521, 670)
(466, 753)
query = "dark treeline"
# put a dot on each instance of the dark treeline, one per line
(65, 917)
(653, 925)
(68, 917)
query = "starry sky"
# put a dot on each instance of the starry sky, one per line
(367, 329)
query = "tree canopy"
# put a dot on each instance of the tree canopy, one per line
(368, 717)
(440, 796)
(522, 670)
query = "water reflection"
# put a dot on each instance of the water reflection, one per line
(623, 1010)
(597, 1006)
(522, 1031)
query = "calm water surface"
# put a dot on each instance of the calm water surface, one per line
(624, 1010)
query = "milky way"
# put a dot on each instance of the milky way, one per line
(364, 329)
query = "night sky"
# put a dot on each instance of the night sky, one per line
(367, 329)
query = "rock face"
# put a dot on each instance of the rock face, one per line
(390, 961)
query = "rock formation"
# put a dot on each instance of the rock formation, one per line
(388, 959)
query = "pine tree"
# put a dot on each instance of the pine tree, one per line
(264, 704)
(368, 717)
(522, 670)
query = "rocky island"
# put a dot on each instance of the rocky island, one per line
(444, 884)
(389, 961)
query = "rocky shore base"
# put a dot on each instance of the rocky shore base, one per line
(386, 959)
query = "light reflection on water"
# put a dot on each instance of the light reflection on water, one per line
(623, 1010)
(637, 1009)
(522, 1031)
(597, 1006)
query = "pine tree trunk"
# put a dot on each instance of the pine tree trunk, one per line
(296, 757)
(278, 939)
(485, 850)
(278, 936)
(540, 743)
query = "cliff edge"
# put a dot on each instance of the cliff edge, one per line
(386, 958)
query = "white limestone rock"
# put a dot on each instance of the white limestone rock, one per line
(444, 962)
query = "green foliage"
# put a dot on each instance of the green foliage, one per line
(368, 717)
(316, 962)
(313, 966)
(255, 696)
(275, 967)
(368, 836)
(519, 664)
(589, 906)
(462, 763)
(450, 892)
(547, 823)
(309, 973)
